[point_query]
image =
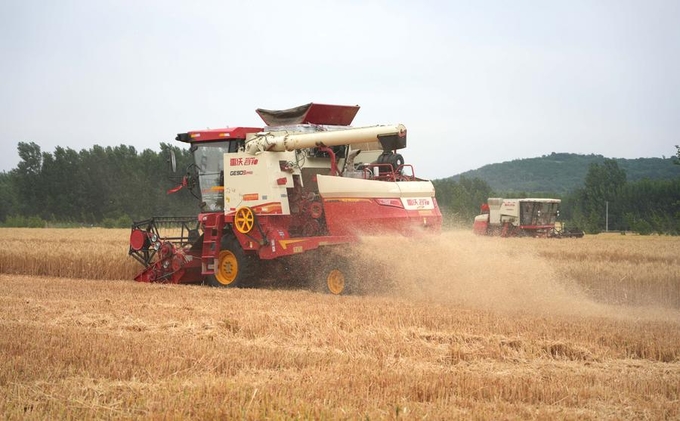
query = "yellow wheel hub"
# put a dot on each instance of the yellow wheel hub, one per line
(227, 267)
(336, 282)
(244, 220)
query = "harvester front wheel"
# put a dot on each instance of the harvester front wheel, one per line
(233, 268)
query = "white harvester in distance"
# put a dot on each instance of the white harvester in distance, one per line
(529, 217)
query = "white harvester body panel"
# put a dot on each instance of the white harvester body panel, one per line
(495, 210)
(509, 211)
(258, 182)
(412, 194)
(335, 187)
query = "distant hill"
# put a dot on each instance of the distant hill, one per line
(561, 173)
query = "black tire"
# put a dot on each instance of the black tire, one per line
(234, 268)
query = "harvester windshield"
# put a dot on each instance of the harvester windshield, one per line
(209, 161)
(208, 148)
(538, 213)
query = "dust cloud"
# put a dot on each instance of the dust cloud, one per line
(467, 271)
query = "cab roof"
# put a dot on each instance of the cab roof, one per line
(229, 133)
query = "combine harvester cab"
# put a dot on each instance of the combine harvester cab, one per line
(530, 217)
(304, 182)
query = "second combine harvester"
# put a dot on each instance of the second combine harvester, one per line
(288, 193)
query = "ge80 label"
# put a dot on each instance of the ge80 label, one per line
(239, 172)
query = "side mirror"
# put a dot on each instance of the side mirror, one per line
(173, 161)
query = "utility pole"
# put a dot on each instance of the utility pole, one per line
(606, 216)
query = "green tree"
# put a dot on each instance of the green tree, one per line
(28, 180)
(64, 189)
(600, 195)
(8, 200)
(652, 206)
(460, 200)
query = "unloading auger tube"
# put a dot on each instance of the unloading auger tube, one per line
(279, 142)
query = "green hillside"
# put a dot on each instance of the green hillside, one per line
(561, 173)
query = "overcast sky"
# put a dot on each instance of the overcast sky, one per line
(474, 82)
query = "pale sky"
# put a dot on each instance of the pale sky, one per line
(475, 83)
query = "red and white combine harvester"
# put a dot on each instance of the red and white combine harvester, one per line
(281, 198)
(522, 218)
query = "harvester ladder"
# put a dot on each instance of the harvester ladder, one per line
(212, 238)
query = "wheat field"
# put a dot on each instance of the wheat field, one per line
(457, 327)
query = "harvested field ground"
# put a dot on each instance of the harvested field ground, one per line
(454, 327)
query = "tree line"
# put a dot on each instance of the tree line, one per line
(608, 201)
(112, 186)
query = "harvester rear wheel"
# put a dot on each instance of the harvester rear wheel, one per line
(233, 267)
(334, 275)
(335, 281)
